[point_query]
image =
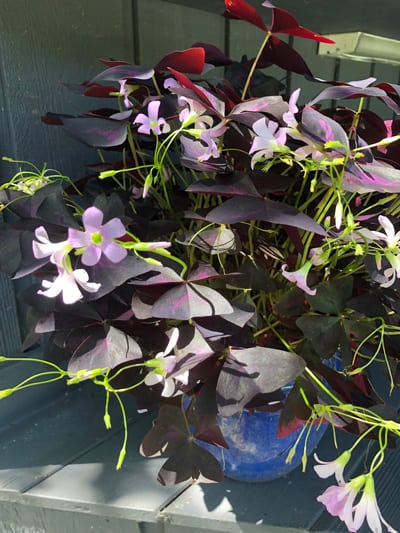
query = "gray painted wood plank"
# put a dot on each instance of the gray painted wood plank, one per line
(92, 484)
(42, 443)
(29, 519)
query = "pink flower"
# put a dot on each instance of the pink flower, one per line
(269, 138)
(368, 508)
(328, 468)
(151, 123)
(300, 277)
(339, 499)
(67, 283)
(289, 116)
(163, 365)
(98, 238)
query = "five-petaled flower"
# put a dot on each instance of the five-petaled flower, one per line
(269, 138)
(163, 366)
(98, 238)
(151, 123)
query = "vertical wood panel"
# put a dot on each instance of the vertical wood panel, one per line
(164, 27)
(42, 44)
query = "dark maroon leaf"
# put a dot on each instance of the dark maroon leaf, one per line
(202, 271)
(237, 184)
(124, 71)
(112, 63)
(96, 132)
(190, 462)
(168, 432)
(239, 9)
(207, 430)
(245, 208)
(213, 55)
(190, 61)
(253, 371)
(54, 119)
(190, 300)
(279, 53)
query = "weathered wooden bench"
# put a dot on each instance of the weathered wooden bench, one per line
(57, 475)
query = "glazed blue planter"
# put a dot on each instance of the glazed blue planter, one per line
(255, 452)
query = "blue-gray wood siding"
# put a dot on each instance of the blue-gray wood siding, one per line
(45, 43)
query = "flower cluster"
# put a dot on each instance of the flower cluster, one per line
(238, 243)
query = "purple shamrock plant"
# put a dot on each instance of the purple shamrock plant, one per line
(239, 242)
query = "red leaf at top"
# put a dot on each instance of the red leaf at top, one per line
(190, 61)
(284, 22)
(240, 9)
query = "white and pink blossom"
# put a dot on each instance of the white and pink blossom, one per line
(300, 277)
(67, 284)
(329, 468)
(152, 123)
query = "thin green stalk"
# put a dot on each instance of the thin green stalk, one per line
(254, 65)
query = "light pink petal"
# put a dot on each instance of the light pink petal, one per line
(77, 238)
(91, 256)
(114, 252)
(92, 219)
(153, 379)
(113, 229)
(70, 291)
(172, 341)
(169, 388)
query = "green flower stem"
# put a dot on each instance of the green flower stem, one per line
(254, 65)
(322, 386)
(122, 452)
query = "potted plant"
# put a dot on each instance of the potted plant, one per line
(226, 252)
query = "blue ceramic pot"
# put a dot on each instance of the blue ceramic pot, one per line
(255, 453)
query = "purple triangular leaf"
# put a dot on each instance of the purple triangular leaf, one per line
(190, 300)
(109, 351)
(111, 275)
(123, 72)
(168, 432)
(253, 371)
(96, 132)
(190, 462)
(244, 208)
